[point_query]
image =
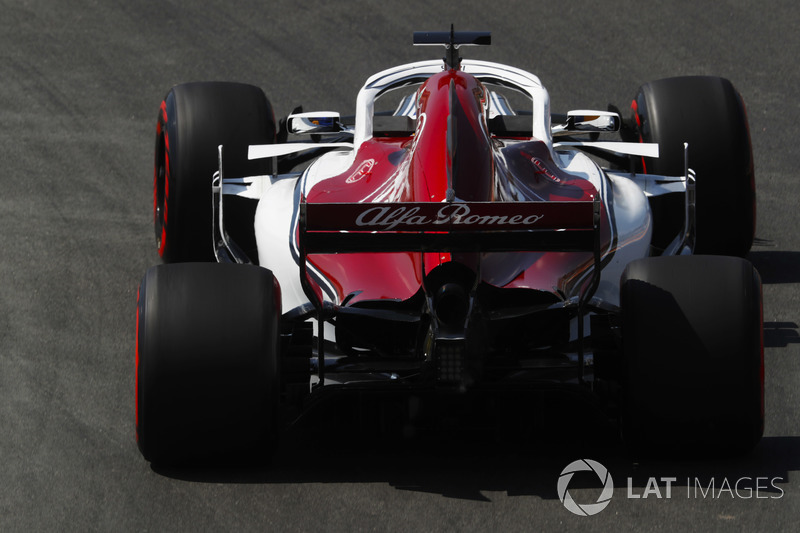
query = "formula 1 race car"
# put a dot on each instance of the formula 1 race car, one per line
(453, 240)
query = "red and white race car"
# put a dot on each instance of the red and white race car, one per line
(454, 239)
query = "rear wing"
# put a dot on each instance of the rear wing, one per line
(448, 227)
(334, 228)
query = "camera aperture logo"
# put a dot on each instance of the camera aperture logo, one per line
(585, 509)
(744, 488)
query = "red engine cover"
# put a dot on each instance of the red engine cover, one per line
(450, 153)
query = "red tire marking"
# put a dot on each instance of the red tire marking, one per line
(635, 108)
(159, 130)
(166, 194)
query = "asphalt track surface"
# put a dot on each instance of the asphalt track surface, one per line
(80, 84)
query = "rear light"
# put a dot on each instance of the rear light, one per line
(449, 356)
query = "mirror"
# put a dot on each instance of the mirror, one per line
(593, 121)
(320, 122)
(587, 121)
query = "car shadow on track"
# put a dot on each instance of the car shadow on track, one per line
(775, 266)
(470, 464)
(778, 267)
(780, 334)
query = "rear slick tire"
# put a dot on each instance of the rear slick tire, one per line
(207, 381)
(692, 356)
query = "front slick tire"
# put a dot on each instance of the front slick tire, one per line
(709, 114)
(194, 119)
(206, 362)
(693, 356)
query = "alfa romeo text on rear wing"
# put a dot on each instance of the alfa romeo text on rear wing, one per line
(448, 227)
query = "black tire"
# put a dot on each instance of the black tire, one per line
(692, 356)
(207, 382)
(194, 119)
(709, 114)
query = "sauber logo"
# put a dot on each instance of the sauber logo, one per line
(542, 169)
(363, 169)
(388, 218)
